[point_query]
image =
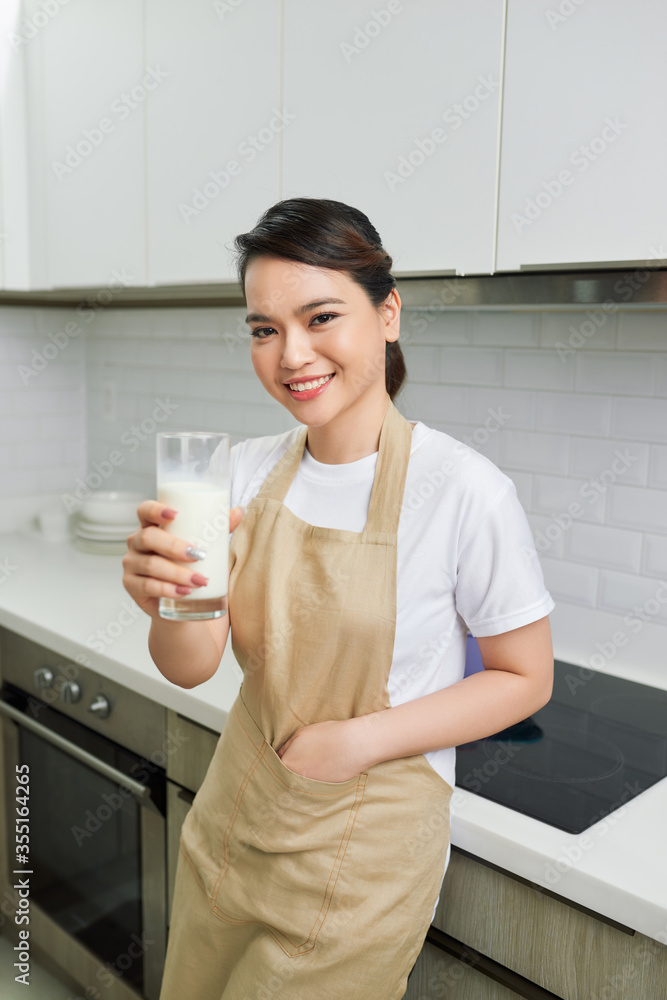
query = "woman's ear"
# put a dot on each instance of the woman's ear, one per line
(391, 316)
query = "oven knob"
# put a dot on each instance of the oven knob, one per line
(43, 677)
(100, 706)
(70, 691)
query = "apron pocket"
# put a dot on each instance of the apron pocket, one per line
(284, 848)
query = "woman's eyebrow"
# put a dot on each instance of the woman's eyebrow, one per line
(261, 318)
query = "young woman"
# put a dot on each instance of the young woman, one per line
(313, 856)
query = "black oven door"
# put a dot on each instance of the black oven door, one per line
(96, 839)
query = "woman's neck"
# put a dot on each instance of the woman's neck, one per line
(352, 434)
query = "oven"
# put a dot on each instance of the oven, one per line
(91, 757)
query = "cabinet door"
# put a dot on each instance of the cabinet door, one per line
(213, 132)
(437, 974)
(396, 113)
(14, 200)
(87, 92)
(583, 137)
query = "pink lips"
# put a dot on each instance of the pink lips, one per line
(310, 393)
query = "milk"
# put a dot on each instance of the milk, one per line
(203, 521)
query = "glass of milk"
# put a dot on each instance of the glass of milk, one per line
(193, 478)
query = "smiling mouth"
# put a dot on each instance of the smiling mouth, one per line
(308, 384)
(316, 387)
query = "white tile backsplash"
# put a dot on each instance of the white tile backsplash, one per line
(660, 375)
(639, 419)
(569, 332)
(654, 562)
(534, 452)
(637, 507)
(628, 594)
(567, 581)
(599, 545)
(471, 366)
(573, 412)
(571, 404)
(568, 500)
(600, 457)
(511, 329)
(642, 331)
(658, 466)
(42, 410)
(619, 372)
(538, 369)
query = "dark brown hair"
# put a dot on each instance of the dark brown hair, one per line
(326, 233)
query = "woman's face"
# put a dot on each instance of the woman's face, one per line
(307, 322)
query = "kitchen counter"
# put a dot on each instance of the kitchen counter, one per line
(75, 603)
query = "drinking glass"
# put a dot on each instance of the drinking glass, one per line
(193, 478)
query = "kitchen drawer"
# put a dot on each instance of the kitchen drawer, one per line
(571, 953)
(179, 801)
(191, 747)
(437, 974)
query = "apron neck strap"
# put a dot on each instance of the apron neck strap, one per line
(391, 469)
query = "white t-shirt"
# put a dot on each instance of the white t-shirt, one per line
(466, 556)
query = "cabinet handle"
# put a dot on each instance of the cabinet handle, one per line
(488, 966)
(594, 265)
(141, 792)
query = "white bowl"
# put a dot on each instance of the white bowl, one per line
(112, 507)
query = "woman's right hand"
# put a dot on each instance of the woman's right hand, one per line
(157, 563)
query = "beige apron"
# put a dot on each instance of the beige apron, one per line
(289, 887)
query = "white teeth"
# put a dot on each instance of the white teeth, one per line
(300, 386)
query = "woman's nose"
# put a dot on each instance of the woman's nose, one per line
(296, 350)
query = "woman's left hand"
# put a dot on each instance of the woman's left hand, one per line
(327, 751)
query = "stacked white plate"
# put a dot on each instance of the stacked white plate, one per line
(105, 520)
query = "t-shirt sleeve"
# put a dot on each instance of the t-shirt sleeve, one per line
(500, 585)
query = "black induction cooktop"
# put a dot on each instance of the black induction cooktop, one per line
(599, 742)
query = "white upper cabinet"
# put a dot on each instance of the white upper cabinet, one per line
(14, 191)
(395, 111)
(213, 131)
(584, 144)
(87, 94)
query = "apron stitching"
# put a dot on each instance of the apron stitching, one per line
(232, 820)
(194, 870)
(336, 868)
(301, 949)
(278, 776)
(356, 813)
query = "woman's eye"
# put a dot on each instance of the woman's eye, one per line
(269, 329)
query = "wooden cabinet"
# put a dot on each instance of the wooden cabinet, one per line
(194, 746)
(437, 974)
(396, 112)
(583, 148)
(213, 132)
(551, 943)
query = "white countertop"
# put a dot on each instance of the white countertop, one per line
(60, 597)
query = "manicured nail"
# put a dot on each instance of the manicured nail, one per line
(181, 589)
(199, 579)
(169, 512)
(195, 553)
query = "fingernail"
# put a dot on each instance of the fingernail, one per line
(195, 553)
(199, 580)
(169, 512)
(182, 589)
